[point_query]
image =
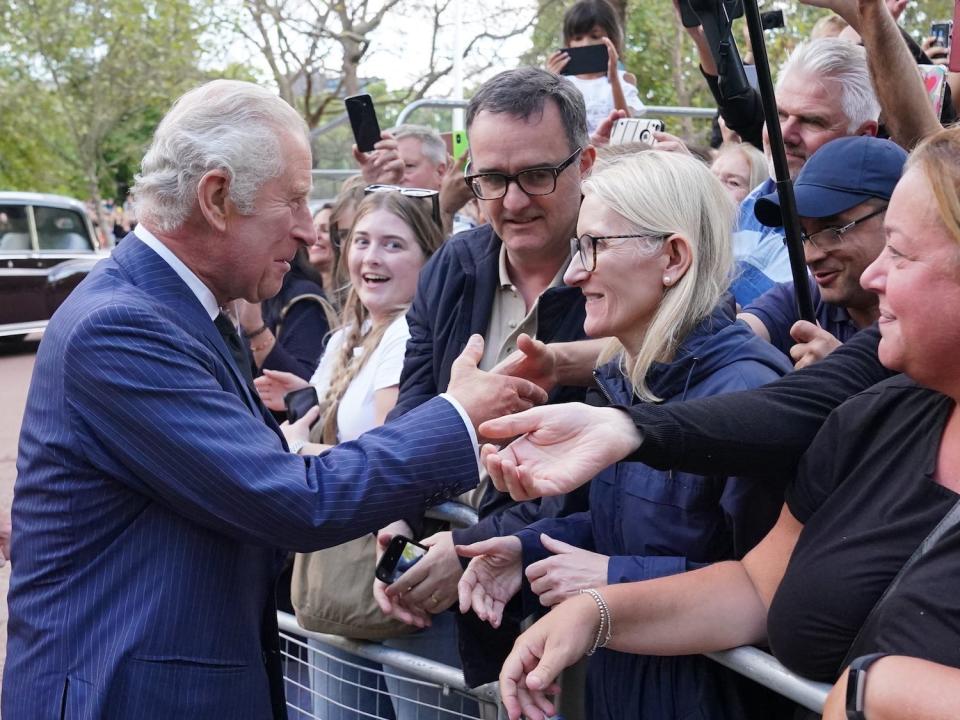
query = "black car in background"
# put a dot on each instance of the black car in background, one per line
(47, 246)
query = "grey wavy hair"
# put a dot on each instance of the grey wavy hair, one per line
(844, 63)
(224, 125)
(431, 144)
(523, 93)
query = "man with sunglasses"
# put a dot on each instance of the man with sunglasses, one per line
(842, 193)
(529, 150)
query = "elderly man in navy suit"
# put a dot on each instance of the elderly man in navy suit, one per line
(155, 497)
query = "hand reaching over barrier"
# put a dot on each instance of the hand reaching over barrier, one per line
(562, 447)
(491, 578)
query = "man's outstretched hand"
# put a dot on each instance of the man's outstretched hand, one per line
(561, 448)
(533, 360)
(485, 395)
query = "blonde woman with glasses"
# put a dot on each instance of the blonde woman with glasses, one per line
(653, 260)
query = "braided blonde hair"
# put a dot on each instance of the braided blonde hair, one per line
(354, 317)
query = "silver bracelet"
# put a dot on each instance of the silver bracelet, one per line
(602, 638)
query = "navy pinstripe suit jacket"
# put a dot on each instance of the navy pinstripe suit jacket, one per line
(153, 500)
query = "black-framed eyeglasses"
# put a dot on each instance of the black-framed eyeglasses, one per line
(830, 238)
(533, 181)
(586, 246)
(424, 193)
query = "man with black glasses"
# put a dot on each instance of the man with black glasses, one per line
(842, 193)
(528, 152)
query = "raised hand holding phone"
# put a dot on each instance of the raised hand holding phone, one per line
(363, 121)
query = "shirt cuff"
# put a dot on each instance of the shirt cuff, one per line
(468, 422)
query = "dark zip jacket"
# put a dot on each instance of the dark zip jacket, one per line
(653, 523)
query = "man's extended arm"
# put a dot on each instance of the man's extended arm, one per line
(153, 416)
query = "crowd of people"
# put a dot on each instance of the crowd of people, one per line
(596, 346)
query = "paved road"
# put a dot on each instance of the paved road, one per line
(16, 365)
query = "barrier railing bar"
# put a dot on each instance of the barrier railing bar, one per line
(375, 652)
(765, 669)
(429, 102)
(453, 512)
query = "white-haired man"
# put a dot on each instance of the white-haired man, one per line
(415, 156)
(424, 156)
(823, 93)
(156, 499)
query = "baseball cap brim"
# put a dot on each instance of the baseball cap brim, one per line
(813, 201)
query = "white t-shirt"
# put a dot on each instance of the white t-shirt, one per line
(357, 414)
(598, 96)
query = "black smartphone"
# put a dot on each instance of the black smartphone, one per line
(771, 19)
(401, 554)
(586, 59)
(299, 402)
(363, 120)
(942, 31)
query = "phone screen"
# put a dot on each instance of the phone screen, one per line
(299, 402)
(942, 31)
(401, 555)
(585, 60)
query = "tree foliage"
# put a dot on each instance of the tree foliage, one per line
(89, 80)
(661, 55)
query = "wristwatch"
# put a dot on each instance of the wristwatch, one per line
(296, 446)
(857, 684)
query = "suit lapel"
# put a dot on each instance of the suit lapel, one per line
(177, 303)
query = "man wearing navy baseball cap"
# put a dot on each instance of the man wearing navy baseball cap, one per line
(842, 193)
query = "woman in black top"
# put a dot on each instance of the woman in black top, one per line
(882, 472)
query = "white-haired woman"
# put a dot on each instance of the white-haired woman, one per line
(653, 259)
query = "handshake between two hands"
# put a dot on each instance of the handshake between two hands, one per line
(554, 448)
(519, 383)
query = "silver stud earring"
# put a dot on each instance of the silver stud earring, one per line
(666, 279)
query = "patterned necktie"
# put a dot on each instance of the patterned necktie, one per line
(235, 345)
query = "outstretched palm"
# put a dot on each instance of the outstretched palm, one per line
(491, 578)
(560, 448)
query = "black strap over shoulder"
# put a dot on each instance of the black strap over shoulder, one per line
(947, 523)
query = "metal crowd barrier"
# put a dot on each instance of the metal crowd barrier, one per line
(481, 703)
(765, 669)
(420, 679)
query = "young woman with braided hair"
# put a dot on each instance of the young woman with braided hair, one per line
(357, 382)
(357, 378)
